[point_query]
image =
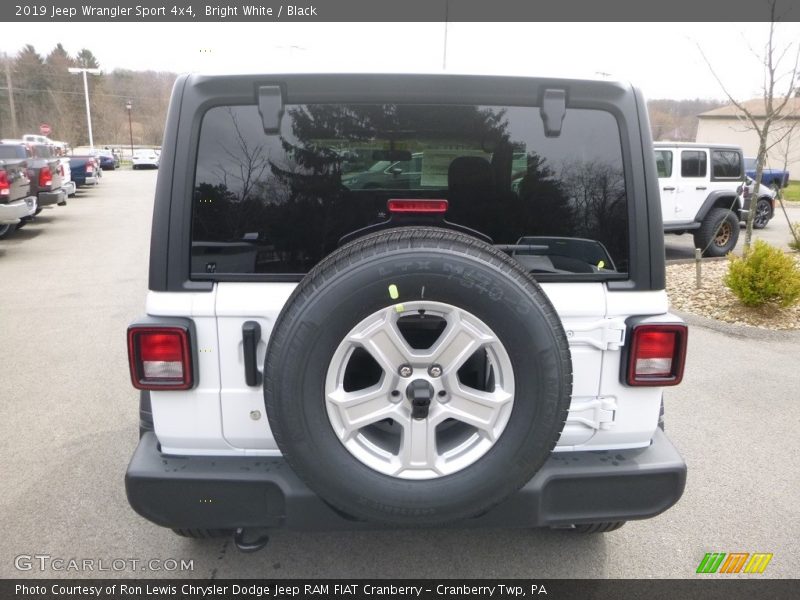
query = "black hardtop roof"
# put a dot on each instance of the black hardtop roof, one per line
(403, 87)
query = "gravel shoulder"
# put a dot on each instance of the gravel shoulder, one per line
(715, 301)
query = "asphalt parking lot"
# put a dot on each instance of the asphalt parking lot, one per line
(73, 280)
(776, 233)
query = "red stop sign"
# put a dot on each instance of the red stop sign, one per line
(45, 129)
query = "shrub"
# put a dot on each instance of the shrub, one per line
(764, 275)
(793, 241)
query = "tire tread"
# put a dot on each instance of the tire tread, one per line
(392, 240)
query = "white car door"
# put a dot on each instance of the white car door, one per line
(692, 183)
(665, 159)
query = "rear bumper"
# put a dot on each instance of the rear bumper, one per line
(69, 188)
(250, 491)
(51, 198)
(12, 212)
(91, 180)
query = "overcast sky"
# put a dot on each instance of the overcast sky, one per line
(661, 58)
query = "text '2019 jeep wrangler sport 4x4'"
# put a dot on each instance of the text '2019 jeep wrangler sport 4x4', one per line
(484, 343)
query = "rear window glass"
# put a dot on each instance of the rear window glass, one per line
(726, 164)
(693, 163)
(664, 163)
(41, 151)
(278, 204)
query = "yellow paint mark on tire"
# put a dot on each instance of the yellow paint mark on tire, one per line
(393, 293)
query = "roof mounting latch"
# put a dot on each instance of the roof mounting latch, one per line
(270, 106)
(554, 107)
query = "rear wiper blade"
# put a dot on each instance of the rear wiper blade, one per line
(514, 247)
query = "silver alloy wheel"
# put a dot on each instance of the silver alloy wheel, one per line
(462, 422)
(762, 213)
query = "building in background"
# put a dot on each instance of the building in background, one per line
(729, 125)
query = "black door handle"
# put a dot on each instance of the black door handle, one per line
(251, 334)
(669, 189)
(700, 187)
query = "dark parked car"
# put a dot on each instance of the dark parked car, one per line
(84, 170)
(108, 160)
(387, 174)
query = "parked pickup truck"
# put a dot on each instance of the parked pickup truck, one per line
(84, 170)
(774, 178)
(69, 185)
(44, 171)
(16, 201)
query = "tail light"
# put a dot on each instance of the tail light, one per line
(5, 188)
(657, 354)
(417, 206)
(45, 177)
(89, 167)
(160, 358)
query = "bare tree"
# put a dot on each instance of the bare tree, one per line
(246, 164)
(775, 101)
(786, 149)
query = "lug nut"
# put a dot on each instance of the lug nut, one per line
(405, 371)
(435, 371)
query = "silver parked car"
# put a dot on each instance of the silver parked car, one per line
(145, 159)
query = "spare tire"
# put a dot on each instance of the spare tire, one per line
(417, 376)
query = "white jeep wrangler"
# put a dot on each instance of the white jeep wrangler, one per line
(700, 192)
(485, 343)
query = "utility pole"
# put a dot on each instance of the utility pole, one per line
(446, 22)
(129, 106)
(10, 97)
(86, 95)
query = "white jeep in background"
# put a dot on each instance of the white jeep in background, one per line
(700, 192)
(486, 344)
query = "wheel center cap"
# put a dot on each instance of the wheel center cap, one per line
(420, 393)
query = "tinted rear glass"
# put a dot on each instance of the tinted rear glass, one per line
(40, 151)
(726, 164)
(664, 163)
(693, 163)
(278, 204)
